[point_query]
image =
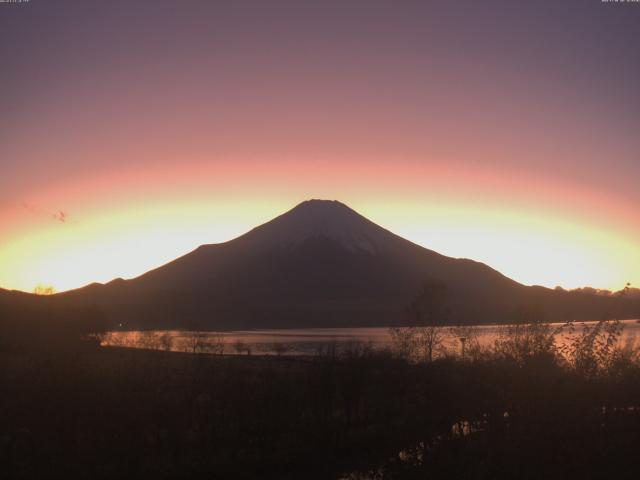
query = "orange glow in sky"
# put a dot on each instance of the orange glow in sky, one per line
(130, 135)
(564, 239)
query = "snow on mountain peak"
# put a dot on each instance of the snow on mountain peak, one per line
(325, 219)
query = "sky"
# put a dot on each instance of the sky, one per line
(506, 132)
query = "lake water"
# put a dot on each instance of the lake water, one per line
(310, 341)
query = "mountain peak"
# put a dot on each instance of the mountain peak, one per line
(321, 203)
(321, 264)
(323, 210)
(327, 219)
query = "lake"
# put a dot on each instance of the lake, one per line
(309, 341)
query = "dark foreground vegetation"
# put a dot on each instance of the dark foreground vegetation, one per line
(522, 408)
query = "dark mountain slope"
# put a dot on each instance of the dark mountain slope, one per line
(45, 322)
(323, 264)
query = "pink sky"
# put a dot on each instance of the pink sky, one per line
(501, 134)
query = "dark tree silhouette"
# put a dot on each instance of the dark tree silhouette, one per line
(427, 313)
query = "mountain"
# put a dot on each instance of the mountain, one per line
(323, 265)
(45, 322)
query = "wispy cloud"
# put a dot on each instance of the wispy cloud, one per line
(57, 215)
(60, 216)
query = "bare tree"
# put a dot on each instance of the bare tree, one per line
(594, 350)
(165, 341)
(44, 290)
(216, 343)
(403, 341)
(523, 342)
(197, 342)
(429, 311)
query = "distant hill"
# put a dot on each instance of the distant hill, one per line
(323, 265)
(47, 321)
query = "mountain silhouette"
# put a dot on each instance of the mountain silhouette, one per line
(322, 264)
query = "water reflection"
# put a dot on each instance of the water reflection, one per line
(314, 341)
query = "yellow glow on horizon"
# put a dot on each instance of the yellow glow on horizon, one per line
(530, 247)
(116, 244)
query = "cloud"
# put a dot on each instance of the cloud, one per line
(60, 216)
(57, 215)
(29, 207)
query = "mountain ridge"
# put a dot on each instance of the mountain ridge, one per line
(323, 264)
